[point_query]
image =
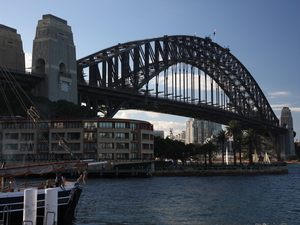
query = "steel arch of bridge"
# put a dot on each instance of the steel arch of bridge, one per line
(119, 78)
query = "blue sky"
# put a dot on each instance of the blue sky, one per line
(263, 34)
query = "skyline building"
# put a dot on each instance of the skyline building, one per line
(197, 131)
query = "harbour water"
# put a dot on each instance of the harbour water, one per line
(253, 199)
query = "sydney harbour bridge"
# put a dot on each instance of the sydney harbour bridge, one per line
(179, 75)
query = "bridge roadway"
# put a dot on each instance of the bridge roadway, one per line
(15, 77)
(128, 100)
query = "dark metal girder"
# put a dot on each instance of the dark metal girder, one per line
(126, 100)
(26, 80)
(143, 60)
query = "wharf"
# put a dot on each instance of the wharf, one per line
(222, 171)
(120, 173)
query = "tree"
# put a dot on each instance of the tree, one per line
(250, 139)
(234, 130)
(208, 148)
(172, 149)
(222, 139)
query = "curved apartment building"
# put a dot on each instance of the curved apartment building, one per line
(71, 138)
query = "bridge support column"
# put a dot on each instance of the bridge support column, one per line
(11, 50)
(54, 55)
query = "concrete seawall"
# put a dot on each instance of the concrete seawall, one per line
(215, 171)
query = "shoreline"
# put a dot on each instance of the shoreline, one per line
(235, 171)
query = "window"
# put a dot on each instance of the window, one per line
(106, 145)
(90, 136)
(120, 125)
(43, 126)
(43, 137)
(134, 155)
(151, 146)
(43, 147)
(90, 156)
(11, 147)
(146, 146)
(106, 135)
(57, 147)
(12, 136)
(73, 136)
(74, 125)
(12, 126)
(74, 146)
(133, 126)
(121, 156)
(43, 156)
(121, 135)
(90, 125)
(59, 125)
(90, 146)
(27, 136)
(57, 136)
(133, 137)
(105, 156)
(105, 125)
(27, 126)
(122, 146)
(134, 147)
(27, 147)
(145, 136)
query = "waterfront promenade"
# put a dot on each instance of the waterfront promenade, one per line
(222, 171)
(149, 170)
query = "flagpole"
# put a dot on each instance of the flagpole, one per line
(215, 35)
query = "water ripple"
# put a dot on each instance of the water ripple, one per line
(234, 200)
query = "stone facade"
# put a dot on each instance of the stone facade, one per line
(54, 55)
(11, 49)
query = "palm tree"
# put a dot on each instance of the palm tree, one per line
(250, 139)
(234, 130)
(209, 148)
(222, 139)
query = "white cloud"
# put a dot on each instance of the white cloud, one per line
(127, 114)
(279, 106)
(28, 60)
(279, 94)
(153, 114)
(166, 126)
(295, 109)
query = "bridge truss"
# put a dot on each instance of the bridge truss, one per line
(180, 75)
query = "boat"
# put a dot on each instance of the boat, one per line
(266, 158)
(12, 202)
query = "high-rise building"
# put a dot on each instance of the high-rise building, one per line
(197, 131)
(159, 133)
(286, 121)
